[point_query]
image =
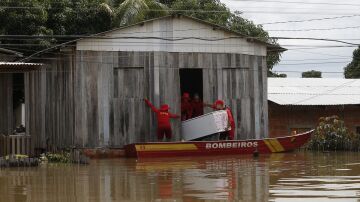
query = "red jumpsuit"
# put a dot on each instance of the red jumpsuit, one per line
(231, 132)
(163, 120)
(198, 108)
(186, 108)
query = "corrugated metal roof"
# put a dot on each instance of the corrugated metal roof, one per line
(19, 66)
(314, 91)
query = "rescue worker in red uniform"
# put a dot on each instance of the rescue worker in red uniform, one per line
(197, 106)
(163, 120)
(186, 108)
(219, 105)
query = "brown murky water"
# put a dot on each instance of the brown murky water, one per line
(300, 176)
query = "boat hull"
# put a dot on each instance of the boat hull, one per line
(214, 148)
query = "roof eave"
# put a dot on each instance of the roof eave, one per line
(11, 52)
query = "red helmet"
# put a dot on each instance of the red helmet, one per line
(164, 107)
(219, 102)
(186, 95)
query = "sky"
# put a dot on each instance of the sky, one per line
(304, 55)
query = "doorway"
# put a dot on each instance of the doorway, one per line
(19, 101)
(191, 81)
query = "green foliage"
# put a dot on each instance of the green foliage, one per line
(201, 9)
(79, 17)
(332, 135)
(274, 74)
(352, 70)
(52, 17)
(132, 11)
(30, 20)
(224, 17)
(311, 74)
(63, 157)
(83, 17)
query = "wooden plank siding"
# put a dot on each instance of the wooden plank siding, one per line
(95, 98)
(6, 103)
(49, 101)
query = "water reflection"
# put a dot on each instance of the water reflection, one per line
(278, 177)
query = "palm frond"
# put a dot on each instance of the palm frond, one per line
(131, 11)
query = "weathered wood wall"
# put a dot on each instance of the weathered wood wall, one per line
(6, 103)
(94, 99)
(49, 103)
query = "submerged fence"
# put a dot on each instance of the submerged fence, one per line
(15, 144)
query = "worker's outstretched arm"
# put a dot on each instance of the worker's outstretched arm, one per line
(175, 116)
(153, 108)
(211, 106)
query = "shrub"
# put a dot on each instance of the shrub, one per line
(332, 135)
(63, 157)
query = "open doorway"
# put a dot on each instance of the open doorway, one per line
(19, 102)
(191, 81)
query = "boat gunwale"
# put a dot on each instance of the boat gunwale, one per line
(213, 141)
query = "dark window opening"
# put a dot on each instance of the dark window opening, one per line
(191, 81)
(358, 130)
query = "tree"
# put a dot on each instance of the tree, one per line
(352, 70)
(204, 9)
(83, 17)
(311, 74)
(132, 11)
(79, 17)
(30, 19)
(52, 17)
(274, 74)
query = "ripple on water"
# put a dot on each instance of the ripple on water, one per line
(317, 188)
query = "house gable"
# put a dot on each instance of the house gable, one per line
(157, 36)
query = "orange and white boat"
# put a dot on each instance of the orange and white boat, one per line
(212, 148)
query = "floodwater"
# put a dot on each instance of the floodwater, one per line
(299, 176)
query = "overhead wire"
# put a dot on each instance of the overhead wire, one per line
(299, 2)
(309, 20)
(313, 29)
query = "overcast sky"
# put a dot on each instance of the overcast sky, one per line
(302, 53)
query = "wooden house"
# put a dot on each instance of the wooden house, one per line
(91, 93)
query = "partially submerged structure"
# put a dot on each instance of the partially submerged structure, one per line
(12, 102)
(296, 104)
(91, 93)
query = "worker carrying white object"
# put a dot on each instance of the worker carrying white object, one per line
(207, 124)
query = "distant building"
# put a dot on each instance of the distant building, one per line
(12, 107)
(296, 104)
(91, 93)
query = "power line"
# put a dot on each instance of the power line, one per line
(24, 37)
(314, 63)
(314, 29)
(328, 91)
(225, 11)
(319, 59)
(309, 20)
(260, 12)
(301, 2)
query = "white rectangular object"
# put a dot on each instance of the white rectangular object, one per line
(207, 124)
